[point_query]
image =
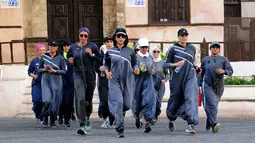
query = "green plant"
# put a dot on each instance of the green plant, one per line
(239, 81)
(175, 42)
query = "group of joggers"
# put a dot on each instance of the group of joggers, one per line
(63, 82)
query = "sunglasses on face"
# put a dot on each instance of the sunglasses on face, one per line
(83, 35)
(121, 35)
(143, 47)
(156, 51)
(184, 35)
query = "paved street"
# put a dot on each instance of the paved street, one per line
(28, 131)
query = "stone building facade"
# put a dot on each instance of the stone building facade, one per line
(46, 18)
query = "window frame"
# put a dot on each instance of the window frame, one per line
(233, 3)
(151, 18)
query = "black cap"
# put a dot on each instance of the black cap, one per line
(215, 44)
(183, 31)
(120, 31)
(108, 38)
(66, 43)
(53, 43)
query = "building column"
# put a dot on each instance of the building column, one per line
(120, 13)
(109, 17)
(39, 18)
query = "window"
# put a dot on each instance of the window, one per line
(232, 8)
(167, 12)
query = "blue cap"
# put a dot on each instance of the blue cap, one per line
(215, 44)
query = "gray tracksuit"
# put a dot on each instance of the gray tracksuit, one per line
(213, 84)
(161, 74)
(52, 83)
(183, 85)
(120, 62)
(144, 98)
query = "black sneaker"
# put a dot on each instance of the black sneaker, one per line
(208, 126)
(67, 124)
(45, 122)
(191, 129)
(171, 126)
(216, 127)
(53, 125)
(153, 122)
(60, 121)
(120, 134)
(147, 128)
(138, 123)
(82, 130)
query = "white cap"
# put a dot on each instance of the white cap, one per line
(143, 42)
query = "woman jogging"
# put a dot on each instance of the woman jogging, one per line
(214, 67)
(120, 63)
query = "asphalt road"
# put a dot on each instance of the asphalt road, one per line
(28, 131)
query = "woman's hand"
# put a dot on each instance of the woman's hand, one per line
(70, 60)
(52, 70)
(35, 77)
(137, 71)
(89, 51)
(101, 68)
(220, 71)
(108, 75)
(152, 71)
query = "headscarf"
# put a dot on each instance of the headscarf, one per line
(156, 59)
(103, 48)
(84, 29)
(38, 47)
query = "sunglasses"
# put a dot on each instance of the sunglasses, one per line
(144, 47)
(156, 51)
(121, 35)
(83, 35)
(184, 35)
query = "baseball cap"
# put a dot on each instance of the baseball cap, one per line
(53, 43)
(143, 42)
(215, 44)
(120, 31)
(108, 38)
(183, 31)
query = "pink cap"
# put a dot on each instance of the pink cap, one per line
(38, 47)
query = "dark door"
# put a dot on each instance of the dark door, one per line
(60, 19)
(65, 17)
(89, 14)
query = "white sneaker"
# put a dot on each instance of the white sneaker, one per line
(104, 125)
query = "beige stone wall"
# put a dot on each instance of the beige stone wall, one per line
(248, 9)
(207, 11)
(109, 17)
(113, 15)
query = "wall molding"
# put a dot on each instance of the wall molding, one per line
(195, 24)
(5, 27)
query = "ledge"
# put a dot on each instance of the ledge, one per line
(168, 25)
(235, 86)
(15, 26)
